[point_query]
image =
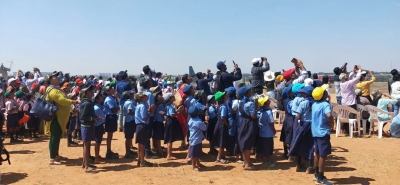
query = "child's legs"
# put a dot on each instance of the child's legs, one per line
(97, 150)
(220, 153)
(141, 152)
(246, 157)
(321, 163)
(109, 139)
(195, 162)
(86, 153)
(169, 150)
(188, 153)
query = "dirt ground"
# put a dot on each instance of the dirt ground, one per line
(360, 160)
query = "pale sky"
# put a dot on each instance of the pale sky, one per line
(92, 36)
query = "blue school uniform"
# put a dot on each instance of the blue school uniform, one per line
(129, 126)
(221, 130)
(173, 129)
(196, 128)
(99, 129)
(141, 112)
(295, 104)
(212, 121)
(303, 142)
(248, 129)
(158, 125)
(111, 123)
(265, 142)
(320, 127)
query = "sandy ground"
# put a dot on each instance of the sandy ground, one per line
(360, 160)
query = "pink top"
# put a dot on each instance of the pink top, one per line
(348, 92)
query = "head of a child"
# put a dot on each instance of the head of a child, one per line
(109, 91)
(210, 99)
(72, 96)
(98, 98)
(189, 90)
(87, 92)
(19, 94)
(199, 95)
(126, 95)
(168, 98)
(141, 97)
(159, 97)
(29, 97)
(320, 94)
(195, 111)
(9, 94)
(221, 97)
(263, 102)
(231, 92)
(376, 94)
(306, 92)
(245, 91)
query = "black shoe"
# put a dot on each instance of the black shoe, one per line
(146, 164)
(129, 156)
(72, 144)
(121, 130)
(132, 153)
(112, 155)
(300, 168)
(138, 163)
(151, 156)
(213, 152)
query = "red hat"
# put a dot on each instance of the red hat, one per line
(287, 74)
(78, 81)
(77, 90)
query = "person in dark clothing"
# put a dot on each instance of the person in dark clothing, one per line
(227, 79)
(315, 76)
(390, 81)
(202, 83)
(257, 73)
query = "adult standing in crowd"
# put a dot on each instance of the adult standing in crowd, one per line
(348, 93)
(390, 80)
(203, 83)
(60, 120)
(395, 92)
(365, 84)
(122, 86)
(225, 79)
(146, 72)
(270, 84)
(336, 83)
(32, 77)
(260, 65)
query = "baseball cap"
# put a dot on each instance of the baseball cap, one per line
(243, 90)
(287, 74)
(261, 101)
(218, 95)
(187, 89)
(220, 63)
(318, 93)
(307, 90)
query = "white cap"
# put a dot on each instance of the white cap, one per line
(256, 60)
(10, 80)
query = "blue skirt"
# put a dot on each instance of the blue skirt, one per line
(173, 130)
(129, 129)
(12, 120)
(158, 130)
(98, 134)
(210, 129)
(220, 135)
(287, 129)
(196, 151)
(265, 146)
(247, 134)
(33, 121)
(303, 142)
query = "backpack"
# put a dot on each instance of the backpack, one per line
(219, 84)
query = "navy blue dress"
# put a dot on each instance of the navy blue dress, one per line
(287, 127)
(220, 132)
(303, 142)
(173, 130)
(247, 131)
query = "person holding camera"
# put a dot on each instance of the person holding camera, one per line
(257, 73)
(365, 84)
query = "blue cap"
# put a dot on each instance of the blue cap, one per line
(243, 90)
(193, 111)
(153, 70)
(285, 91)
(220, 63)
(296, 87)
(317, 83)
(187, 89)
(307, 90)
(230, 90)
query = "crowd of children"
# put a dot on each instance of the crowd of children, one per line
(236, 122)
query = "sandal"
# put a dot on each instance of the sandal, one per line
(54, 162)
(171, 158)
(250, 168)
(222, 161)
(90, 170)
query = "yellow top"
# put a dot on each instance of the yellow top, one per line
(364, 86)
(59, 99)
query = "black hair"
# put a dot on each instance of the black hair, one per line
(308, 72)
(155, 97)
(184, 78)
(199, 74)
(146, 69)
(27, 74)
(109, 79)
(158, 74)
(394, 72)
(100, 78)
(325, 79)
(396, 77)
(28, 97)
(315, 76)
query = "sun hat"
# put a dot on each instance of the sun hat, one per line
(308, 82)
(261, 101)
(287, 74)
(193, 111)
(318, 93)
(210, 97)
(139, 95)
(10, 81)
(219, 95)
(86, 88)
(230, 90)
(279, 78)
(342, 76)
(7, 94)
(256, 60)
(269, 76)
(155, 90)
(296, 87)
(307, 90)
(167, 96)
(358, 92)
(70, 95)
(187, 89)
(243, 90)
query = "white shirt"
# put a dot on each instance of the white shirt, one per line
(303, 75)
(395, 90)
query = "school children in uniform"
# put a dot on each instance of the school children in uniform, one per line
(130, 125)
(88, 119)
(231, 91)
(73, 123)
(189, 91)
(247, 132)
(146, 83)
(111, 109)
(302, 144)
(287, 126)
(236, 112)
(99, 129)
(265, 142)
(19, 95)
(33, 121)
(158, 126)
(196, 128)
(322, 122)
(212, 121)
(12, 115)
(220, 137)
(173, 129)
(142, 117)
(296, 101)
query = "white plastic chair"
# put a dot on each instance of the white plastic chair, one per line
(373, 112)
(343, 113)
(360, 109)
(275, 110)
